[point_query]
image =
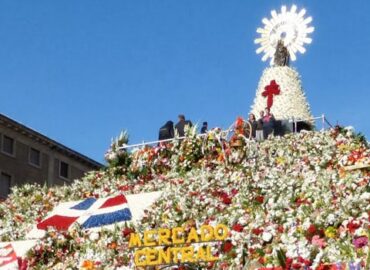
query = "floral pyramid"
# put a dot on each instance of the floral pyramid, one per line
(295, 202)
(289, 101)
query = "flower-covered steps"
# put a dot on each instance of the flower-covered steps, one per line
(289, 202)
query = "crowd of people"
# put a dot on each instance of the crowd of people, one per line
(167, 131)
(261, 128)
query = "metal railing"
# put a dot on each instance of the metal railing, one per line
(225, 133)
(323, 119)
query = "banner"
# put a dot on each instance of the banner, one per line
(11, 251)
(94, 214)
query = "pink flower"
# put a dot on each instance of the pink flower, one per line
(360, 242)
(317, 241)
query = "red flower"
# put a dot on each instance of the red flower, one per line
(260, 199)
(271, 268)
(353, 226)
(127, 231)
(261, 260)
(210, 265)
(124, 188)
(225, 199)
(234, 191)
(312, 229)
(288, 263)
(237, 227)
(239, 125)
(222, 195)
(304, 261)
(257, 231)
(300, 201)
(325, 267)
(22, 263)
(227, 247)
(355, 155)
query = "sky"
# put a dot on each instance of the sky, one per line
(81, 71)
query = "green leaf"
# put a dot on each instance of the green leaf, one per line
(281, 257)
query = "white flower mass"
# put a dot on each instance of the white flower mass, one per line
(290, 103)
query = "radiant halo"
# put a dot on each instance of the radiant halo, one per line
(290, 27)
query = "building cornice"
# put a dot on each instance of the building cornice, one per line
(42, 139)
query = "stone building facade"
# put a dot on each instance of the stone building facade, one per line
(26, 156)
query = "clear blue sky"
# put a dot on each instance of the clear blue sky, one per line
(81, 71)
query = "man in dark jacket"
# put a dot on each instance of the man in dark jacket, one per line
(180, 126)
(253, 123)
(166, 131)
(268, 123)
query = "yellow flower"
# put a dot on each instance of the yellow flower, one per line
(164, 218)
(330, 232)
(248, 210)
(280, 160)
(343, 147)
(299, 229)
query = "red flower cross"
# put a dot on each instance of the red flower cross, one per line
(270, 91)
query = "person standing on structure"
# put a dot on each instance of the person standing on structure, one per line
(253, 124)
(268, 123)
(166, 131)
(180, 126)
(204, 128)
(259, 127)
